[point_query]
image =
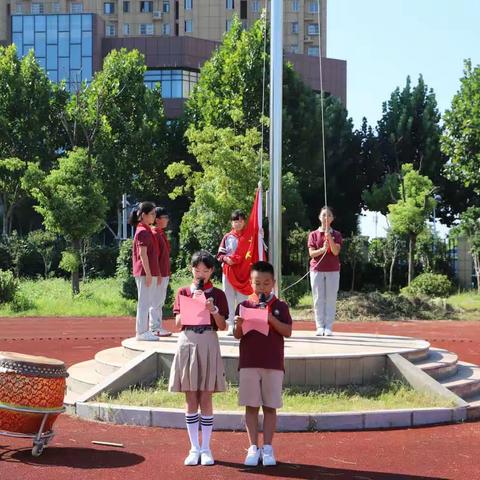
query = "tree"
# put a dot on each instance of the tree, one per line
(44, 243)
(70, 200)
(469, 227)
(461, 139)
(354, 251)
(409, 214)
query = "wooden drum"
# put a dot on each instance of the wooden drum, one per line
(35, 385)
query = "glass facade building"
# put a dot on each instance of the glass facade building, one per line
(63, 44)
(175, 83)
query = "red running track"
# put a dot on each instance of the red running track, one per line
(442, 452)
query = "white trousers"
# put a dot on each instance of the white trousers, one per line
(234, 297)
(324, 289)
(145, 299)
(159, 295)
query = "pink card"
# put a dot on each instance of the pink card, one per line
(193, 311)
(254, 319)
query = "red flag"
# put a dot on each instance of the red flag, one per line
(250, 249)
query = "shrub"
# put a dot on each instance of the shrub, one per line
(128, 287)
(294, 294)
(429, 284)
(70, 261)
(102, 261)
(8, 286)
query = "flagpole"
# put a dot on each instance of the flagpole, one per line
(276, 86)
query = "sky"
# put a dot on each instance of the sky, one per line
(384, 41)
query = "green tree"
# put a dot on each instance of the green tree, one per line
(71, 201)
(461, 139)
(469, 227)
(43, 242)
(354, 251)
(409, 214)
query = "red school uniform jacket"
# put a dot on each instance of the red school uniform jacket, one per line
(144, 238)
(330, 262)
(261, 351)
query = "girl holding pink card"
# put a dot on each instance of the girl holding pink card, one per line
(197, 369)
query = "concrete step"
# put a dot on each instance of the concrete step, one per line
(110, 360)
(83, 376)
(466, 382)
(439, 364)
(473, 409)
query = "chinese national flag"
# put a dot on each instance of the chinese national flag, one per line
(250, 249)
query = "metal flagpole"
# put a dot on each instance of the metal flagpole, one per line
(276, 82)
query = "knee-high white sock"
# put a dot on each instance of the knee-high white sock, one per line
(207, 427)
(191, 420)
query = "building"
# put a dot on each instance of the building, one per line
(70, 38)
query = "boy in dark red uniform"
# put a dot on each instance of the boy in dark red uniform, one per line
(261, 365)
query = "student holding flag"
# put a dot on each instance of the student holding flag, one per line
(238, 250)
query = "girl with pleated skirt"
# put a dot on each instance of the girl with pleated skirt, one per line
(197, 368)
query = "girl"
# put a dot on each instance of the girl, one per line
(197, 368)
(145, 265)
(324, 247)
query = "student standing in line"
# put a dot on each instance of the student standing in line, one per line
(226, 256)
(324, 246)
(145, 266)
(160, 292)
(197, 367)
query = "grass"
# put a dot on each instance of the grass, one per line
(53, 297)
(387, 394)
(468, 303)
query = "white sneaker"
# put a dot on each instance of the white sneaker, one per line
(268, 458)
(161, 332)
(230, 331)
(319, 332)
(147, 337)
(206, 457)
(328, 332)
(253, 456)
(192, 458)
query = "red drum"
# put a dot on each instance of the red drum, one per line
(35, 385)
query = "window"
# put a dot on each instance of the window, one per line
(255, 6)
(126, 29)
(37, 8)
(166, 7)
(19, 8)
(313, 7)
(108, 8)
(174, 83)
(230, 4)
(110, 30)
(294, 48)
(126, 7)
(294, 27)
(295, 5)
(188, 4)
(55, 7)
(146, 7)
(188, 26)
(166, 29)
(146, 29)
(76, 7)
(312, 51)
(228, 25)
(313, 29)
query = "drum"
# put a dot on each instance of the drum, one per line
(35, 385)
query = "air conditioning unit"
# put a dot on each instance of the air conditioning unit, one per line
(158, 14)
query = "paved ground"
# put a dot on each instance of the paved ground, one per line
(443, 452)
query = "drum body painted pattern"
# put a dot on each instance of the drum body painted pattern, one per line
(29, 382)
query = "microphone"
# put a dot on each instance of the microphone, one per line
(199, 284)
(262, 300)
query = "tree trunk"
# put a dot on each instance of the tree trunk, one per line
(411, 251)
(353, 276)
(119, 223)
(392, 264)
(75, 274)
(476, 264)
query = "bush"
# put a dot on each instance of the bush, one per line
(128, 287)
(429, 284)
(8, 286)
(294, 294)
(70, 261)
(102, 261)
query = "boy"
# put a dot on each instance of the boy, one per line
(160, 291)
(226, 255)
(261, 363)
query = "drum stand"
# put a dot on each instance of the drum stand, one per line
(41, 438)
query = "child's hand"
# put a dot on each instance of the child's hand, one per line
(197, 293)
(238, 321)
(271, 319)
(148, 280)
(228, 260)
(211, 307)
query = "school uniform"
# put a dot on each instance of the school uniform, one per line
(144, 238)
(227, 248)
(324, 279)
(198, 365)
(160, 291)
(261, 360)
